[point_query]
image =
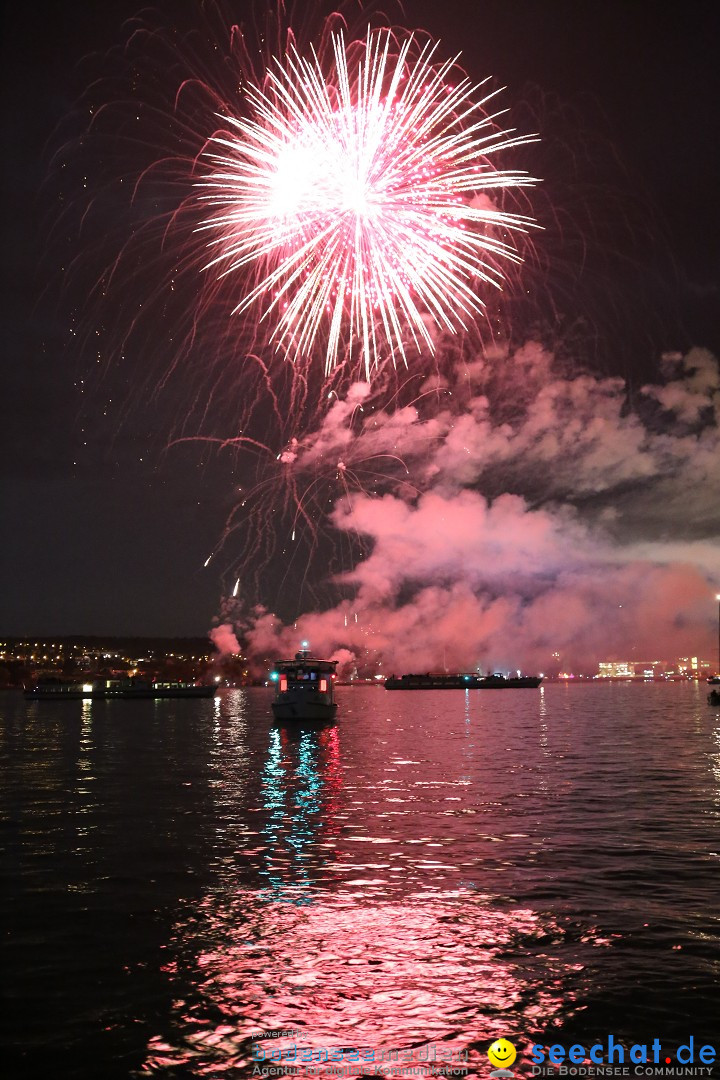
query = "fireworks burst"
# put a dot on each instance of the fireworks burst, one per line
(358, 200)
(346, 207)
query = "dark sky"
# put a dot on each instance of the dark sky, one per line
(111, 539)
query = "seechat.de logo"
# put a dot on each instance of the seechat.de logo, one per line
(648, 1059)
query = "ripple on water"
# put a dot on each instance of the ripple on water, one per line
(450, 970)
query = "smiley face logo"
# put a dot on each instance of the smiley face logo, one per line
(501, 1054)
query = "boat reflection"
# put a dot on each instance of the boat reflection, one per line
(301, 782)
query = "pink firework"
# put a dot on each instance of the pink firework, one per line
(352, 204)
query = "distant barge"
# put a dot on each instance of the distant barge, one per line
(460, 681)
(111, 689)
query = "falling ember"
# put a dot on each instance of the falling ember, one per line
(357, 200)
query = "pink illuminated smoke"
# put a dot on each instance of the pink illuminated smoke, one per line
(550, 532)
(224, 640)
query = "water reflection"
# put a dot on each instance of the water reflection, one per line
(715, 762)
(85, 782)
(83, 811)
(448, 971)
(276, 818)
(310, 952)
(301, 782)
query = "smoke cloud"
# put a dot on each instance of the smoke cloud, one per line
(520, 517)
(224, 639)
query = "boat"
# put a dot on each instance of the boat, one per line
(304, 688)
(110, 689)
(713, 697)
(441, 680)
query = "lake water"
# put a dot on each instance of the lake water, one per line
(439, 869)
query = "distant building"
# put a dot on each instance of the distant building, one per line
(685, 667)
(630, 669)
(692, 666)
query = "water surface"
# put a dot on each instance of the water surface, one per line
(439, 868)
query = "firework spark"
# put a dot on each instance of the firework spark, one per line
(358, 200)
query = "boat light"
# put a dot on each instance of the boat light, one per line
(87, 688)
(274, 676)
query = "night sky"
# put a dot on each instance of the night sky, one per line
(104, 532)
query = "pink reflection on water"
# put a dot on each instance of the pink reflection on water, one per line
(449, 971)
(346, 963)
